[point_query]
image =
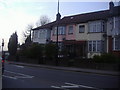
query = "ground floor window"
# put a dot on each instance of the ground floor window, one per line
(95, 46)
(116, 43)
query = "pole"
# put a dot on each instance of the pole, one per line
(2, 46)
(57, 46)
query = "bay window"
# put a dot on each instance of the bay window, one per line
(96, 26)
(95, 46)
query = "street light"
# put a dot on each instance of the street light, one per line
(57, 22)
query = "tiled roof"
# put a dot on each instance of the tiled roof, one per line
(81, 18)
(49, 25)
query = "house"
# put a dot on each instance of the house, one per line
(113, 30)
(85, 35)
(42, 34)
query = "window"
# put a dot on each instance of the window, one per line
(95, 46)
(90, 46)
(117, 25)
(96, 26)
(54, 30)
(35, 34)
(61, 30)
(116, 43)
(81, 28)
(70, 30)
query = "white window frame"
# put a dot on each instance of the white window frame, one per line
(116, 41)
(96, 26)
(95, 43)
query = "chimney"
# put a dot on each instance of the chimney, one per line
(111, 5)
(58, 16)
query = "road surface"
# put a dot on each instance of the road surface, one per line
(17, 76)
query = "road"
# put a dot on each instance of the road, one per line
(17, 76)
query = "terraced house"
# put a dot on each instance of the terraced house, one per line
(85, 35)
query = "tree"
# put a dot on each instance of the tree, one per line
(43, 20)
(12, 44)
(27, 34)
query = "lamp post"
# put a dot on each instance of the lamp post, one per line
(57, 23)
(57, 47)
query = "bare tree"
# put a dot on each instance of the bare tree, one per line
(27, 33)
(43, 20)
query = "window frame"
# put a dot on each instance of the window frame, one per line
(116, 45)
(82, 28)
(70, 31)
(96, 26)
(95, 45)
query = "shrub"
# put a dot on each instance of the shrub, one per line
(106, 58)
(50, 51)
(33, 51)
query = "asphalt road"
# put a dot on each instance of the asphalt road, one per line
(16, 76)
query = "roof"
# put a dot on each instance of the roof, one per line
(82, 18)
(46, 26)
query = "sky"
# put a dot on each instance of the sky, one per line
(16, 15)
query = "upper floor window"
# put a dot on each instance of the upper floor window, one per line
(96, 26)
(116, 43)
(54, 30)
(117, 25)
(42, 34)
(61, 30)
(70, 29)
(81, 28)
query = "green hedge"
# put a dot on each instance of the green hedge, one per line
(106, 58)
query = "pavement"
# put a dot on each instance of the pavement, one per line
(94, 71)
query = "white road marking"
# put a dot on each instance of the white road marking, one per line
(19, 66)
(22, 75)
(9, 77)
(70, 86)
(55, 87)
(84, 86)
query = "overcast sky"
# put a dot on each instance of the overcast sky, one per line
(15, 15)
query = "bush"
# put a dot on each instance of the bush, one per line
(33, 51)
(50, 51)
(106, 58)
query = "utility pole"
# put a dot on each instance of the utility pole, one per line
(57, 22)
